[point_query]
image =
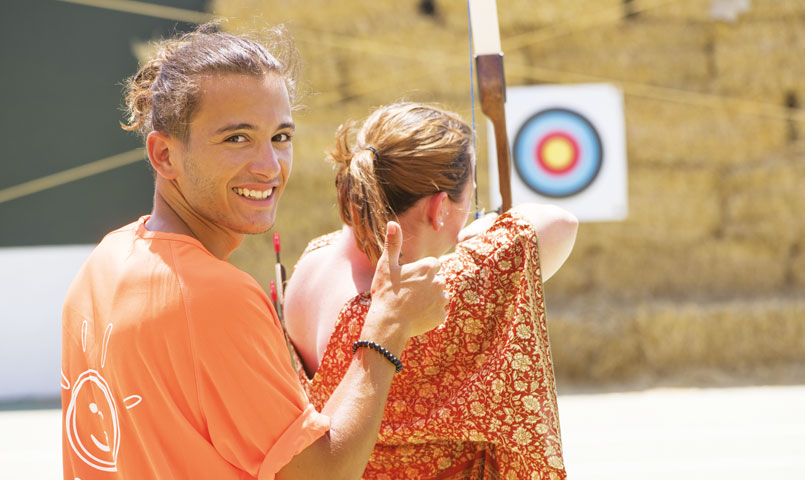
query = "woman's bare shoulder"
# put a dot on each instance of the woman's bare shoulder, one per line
(321, 242)
(322, 282)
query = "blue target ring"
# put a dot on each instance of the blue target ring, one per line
(558, 153)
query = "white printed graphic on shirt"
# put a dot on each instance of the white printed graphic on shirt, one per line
(91, 418)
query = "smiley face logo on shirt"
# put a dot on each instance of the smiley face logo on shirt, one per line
(91, 419)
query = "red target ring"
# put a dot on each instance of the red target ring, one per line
(557, 153)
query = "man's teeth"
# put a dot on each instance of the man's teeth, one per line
(254, 194)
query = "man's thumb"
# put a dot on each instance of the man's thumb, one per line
(393, 243)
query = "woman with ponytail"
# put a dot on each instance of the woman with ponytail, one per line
(475, 397)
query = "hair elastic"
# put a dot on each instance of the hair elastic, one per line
(372, 149)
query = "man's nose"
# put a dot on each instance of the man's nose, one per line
(267, 163)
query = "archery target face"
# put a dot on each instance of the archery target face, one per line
(557, 153)
(568, 149)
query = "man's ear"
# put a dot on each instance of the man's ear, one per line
(162, 154)
(435, 210)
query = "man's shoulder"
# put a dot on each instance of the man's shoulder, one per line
(174, 270)
(219, 300)
(182, 257)
(197, 268)
(165, 262)
(213, 286)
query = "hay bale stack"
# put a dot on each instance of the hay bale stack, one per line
(603, 342)
(756, 61)
(708, 270)
(682, 134)
(629, 52)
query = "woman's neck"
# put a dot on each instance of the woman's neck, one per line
(362, 268)
(416, 236)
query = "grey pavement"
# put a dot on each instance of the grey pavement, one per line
(725, 433)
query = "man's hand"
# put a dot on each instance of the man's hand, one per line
(409, 299)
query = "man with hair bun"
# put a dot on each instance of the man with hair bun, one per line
(174, 364)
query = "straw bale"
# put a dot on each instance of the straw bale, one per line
(595, 344)
(666, 206)
(672, 205)
(775, 10)
(639, 268)
(766, 202)
(676, 133)
(376, 51)
(595, 340)
(774, 172)
(796, 268)
(760, 60)
(672, 55)
(381, 78)
(514, 14)
(369, 14)
(739, 267)
(347, 16)
(699, 10)
(667, 37)
(765, 217)
(683, 69)
(693, 11)
(677, 239)
(727, 267)
(735, 333)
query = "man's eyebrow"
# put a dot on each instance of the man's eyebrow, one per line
(239, 126)
(249, 126)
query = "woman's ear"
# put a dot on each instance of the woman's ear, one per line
(160, 147)
(435, 210)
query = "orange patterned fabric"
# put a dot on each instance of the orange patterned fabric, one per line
(476, 397)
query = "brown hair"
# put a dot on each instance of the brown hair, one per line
(421, 150)
(163, 94)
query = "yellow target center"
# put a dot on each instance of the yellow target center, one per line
(557, 153)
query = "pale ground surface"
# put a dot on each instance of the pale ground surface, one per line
(729, 433)
(726, 433)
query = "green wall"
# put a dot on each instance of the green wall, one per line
(61, 72)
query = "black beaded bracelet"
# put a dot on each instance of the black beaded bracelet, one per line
(389, 356)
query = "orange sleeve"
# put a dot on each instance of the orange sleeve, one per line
(257, 415)
(303, 432)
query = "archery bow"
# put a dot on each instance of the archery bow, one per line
(492, 85)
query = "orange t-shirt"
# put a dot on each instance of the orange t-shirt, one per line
(174, 365)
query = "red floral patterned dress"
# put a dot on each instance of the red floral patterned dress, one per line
(476, 398)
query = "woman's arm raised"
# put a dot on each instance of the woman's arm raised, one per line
(556, 231)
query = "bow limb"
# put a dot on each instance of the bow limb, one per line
(492, 85)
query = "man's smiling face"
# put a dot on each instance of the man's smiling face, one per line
(238, 155)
